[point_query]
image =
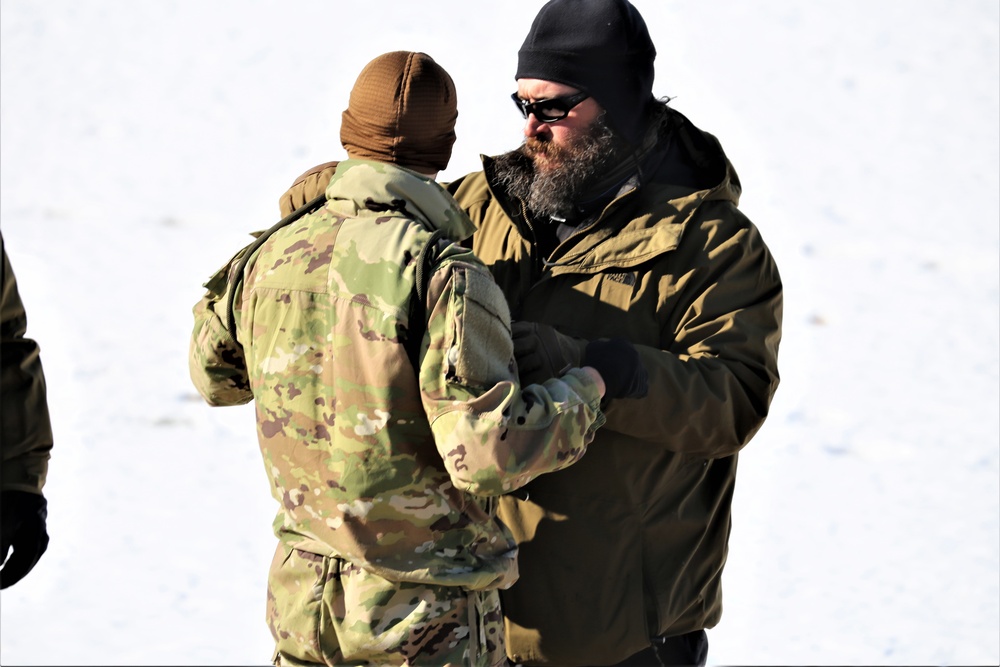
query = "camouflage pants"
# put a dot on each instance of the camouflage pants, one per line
(325, 611)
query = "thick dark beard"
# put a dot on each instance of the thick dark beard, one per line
(553, 193)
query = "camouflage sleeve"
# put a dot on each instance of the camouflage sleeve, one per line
(216, 361)
(494, 435)
(25, 428)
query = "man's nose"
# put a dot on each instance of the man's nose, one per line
(534, 127)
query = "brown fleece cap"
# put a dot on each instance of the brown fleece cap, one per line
(402, 110)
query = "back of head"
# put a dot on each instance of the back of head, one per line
(402, 110)
(599, 46)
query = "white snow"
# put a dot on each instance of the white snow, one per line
(140, 142)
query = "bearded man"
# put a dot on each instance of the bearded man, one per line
(617, 217)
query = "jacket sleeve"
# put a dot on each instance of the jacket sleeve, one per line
(215, 361)
(25, 429)
(494, 435)
(715, 371)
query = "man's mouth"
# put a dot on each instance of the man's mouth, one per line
(540, 152)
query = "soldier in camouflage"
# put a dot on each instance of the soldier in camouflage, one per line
(386, 462)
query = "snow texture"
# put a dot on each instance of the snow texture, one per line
(142, 141)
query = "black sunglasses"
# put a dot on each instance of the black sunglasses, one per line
(549, 111)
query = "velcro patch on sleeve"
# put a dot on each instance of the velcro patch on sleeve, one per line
(484, 349)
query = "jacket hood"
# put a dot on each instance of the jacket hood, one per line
(696, 159)
(380, 189)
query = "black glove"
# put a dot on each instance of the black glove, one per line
(543, 353)
(22, 526)
(619, 364)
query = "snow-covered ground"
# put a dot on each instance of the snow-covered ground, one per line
(141, 141)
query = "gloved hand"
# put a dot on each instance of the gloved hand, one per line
(543, 353)
(618, 362)
(22, 526)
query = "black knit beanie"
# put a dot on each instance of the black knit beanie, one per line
(599, 46)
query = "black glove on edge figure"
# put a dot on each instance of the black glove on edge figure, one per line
(22, 526)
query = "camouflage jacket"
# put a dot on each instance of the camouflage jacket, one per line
(25, 428)
(390, 467)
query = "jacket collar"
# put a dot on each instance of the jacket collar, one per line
(369, 188)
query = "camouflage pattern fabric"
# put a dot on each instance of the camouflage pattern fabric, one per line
(325, 610)
(393, 470)
(215, 361)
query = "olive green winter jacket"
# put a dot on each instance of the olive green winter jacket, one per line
(631, 542)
